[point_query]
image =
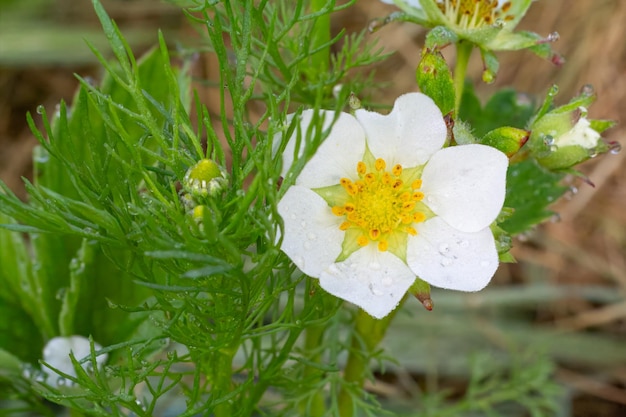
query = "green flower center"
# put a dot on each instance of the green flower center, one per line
(380, 204)
(472, 14)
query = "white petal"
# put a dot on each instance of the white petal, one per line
(465, 185)
(335, 158)
(373, 280)
(409, 135)
(312, 237)
(56, 353)
(448, 258)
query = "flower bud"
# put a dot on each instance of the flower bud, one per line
(204, 179)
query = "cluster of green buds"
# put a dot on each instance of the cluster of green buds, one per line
(203, 181)
(563, 137)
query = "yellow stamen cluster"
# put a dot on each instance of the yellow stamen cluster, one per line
(471, 14)
(380, 203)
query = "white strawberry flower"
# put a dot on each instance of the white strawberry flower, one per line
(382, 201)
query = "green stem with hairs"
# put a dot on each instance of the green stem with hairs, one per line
(368, 332)
(463, 52)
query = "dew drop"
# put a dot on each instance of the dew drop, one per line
(374, 266)
(556, 217)
(615, 148)
(303, 223)
(484, 264)
(375, 291)
(293, 216)
(307, 245)
(333, 270)
(61, 382)
(354, 265)
(387, 281)
(41, 109)
(444, 248)
(464, 244)
(445, 262)
(312, 236)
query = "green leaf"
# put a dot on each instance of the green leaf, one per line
(504, 108)
(435, 80)
(530, 190)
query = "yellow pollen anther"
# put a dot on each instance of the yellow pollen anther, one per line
(362, 241)
(405, 196)
(408, 206)
(349, 207)
(397, 184)
(370, 178)
(374, 234)
(386, 178)
(418, 217)
(361, 169)
(417, 196)
(344, 226)
(411, 231)
(397, 170)
(383, 246)
(416, 184)
(380, 164)
(338, 211)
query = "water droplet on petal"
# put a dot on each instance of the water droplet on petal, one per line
(387, 281)
(464, 244)
(303, 223)
(444, 248)
(307, 245)
(293, 216)
(375, 291)
(375, 266)
(312, 236)
(445, 262)
(484, 264)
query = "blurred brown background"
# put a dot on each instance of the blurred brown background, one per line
(41, 48)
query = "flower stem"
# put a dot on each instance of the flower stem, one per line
(368, 332)
(463, 52)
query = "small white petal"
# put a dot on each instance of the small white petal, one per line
(409, 135)
(581, 135)
(373, 280)
(312, 238)
(335, 158)
(56, 353)
(466, 185)
(448, 258)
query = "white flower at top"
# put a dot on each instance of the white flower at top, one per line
(381, 202)
(56, 353)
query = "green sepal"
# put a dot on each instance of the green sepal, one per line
(421, 290)
(439, 37)
(507, 139)
(435, 80)
(569, 156)
(601, 125)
